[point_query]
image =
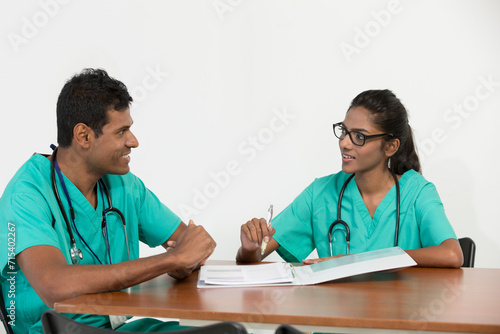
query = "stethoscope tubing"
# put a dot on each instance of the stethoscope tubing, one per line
(347, 231)
(74, 251)
(112, 209)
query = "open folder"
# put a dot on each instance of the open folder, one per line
(281, 273)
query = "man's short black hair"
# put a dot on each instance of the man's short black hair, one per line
(86, 98)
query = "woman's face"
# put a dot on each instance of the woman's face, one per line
(370, 156)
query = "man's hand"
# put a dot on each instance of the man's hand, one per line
(191, 249)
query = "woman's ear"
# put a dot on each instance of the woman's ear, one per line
(391, 147)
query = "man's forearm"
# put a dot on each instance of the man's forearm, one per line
(60, 281)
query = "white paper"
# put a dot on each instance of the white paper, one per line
(270, 273)
(355, 264)
(284, 274)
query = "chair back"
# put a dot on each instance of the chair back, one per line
(287, 329)
(469, 251)
(55, 323)
(4, 315)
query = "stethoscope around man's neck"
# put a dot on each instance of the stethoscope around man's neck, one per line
(75, 253)
(347, 231)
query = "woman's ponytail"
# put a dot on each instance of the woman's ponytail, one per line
(406, 157)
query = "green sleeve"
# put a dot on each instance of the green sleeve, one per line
(28, 223)
(156, 221)
(293, 227)
(434, 225)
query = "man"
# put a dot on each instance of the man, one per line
(93, 250)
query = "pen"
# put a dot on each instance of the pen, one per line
(269, 217)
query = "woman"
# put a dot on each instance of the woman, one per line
(376, 146)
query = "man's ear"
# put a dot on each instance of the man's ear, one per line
(391, 147)
(83, 135)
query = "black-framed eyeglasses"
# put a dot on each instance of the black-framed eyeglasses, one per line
(357, 138)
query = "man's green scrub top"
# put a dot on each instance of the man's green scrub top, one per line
(28, 208)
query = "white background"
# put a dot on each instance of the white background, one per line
(208, 76)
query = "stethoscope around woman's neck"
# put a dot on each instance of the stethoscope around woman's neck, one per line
(75, 253)
(347, 231)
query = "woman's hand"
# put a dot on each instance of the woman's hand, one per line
(252, 234)
(311, 261)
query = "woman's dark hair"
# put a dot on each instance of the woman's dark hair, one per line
(390, 115)
(86, 98)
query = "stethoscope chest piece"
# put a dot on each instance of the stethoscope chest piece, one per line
(347, 233)
(76, 254)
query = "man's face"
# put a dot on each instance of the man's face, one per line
(109, 153)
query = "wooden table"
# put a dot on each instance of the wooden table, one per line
(414, 299)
